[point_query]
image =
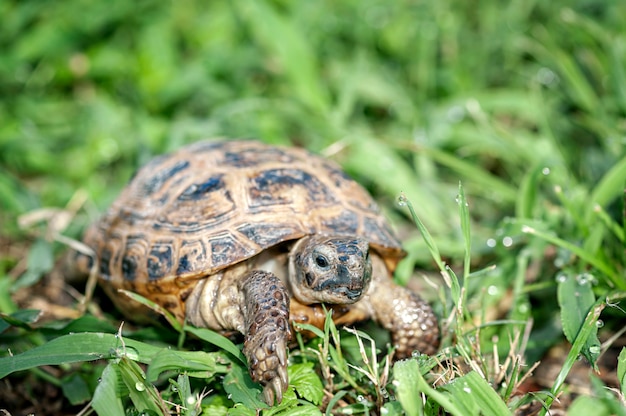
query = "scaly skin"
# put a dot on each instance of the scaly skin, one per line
(267, 332)
(254, 303)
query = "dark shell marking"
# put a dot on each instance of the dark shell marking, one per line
(213, 204)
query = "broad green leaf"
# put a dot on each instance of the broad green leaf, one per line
(307, 383)
(587, 330)
(409, 383)
(40, 256)
(242, 410)
(241, 388)
(78, 347)
(107, 397)
(304, 409)
(575, 296)
(221, 410)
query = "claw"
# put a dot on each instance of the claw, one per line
(278, 389)
(281, 353)
(268, 395)
(282, 376)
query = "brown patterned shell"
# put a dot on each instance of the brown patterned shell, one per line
(213, 204)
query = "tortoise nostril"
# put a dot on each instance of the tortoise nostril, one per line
(309, 279)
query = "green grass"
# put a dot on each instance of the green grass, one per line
(522, 103)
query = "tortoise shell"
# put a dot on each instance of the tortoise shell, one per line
(213, 204)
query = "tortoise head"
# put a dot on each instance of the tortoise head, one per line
(325, 269)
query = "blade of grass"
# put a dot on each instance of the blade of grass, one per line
(218, 340)
(465, 228)
(286, 42)
(197, 363)
(169, 317)
(610, 187)
(485, 180)
(430, 243)
(608, 271)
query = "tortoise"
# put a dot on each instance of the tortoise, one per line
(242, 236)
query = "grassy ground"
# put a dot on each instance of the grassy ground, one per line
(523, 103)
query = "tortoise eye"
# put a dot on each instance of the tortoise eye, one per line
(321, 261)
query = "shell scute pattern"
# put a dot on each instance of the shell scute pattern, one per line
(254, 157)
(192, 254)
(265, 234)
(202, 190)
(225, 245)
(213, 204)
(160, 260)
(288, 187)
(156, 182)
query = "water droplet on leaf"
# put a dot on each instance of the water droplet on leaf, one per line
(561, 278)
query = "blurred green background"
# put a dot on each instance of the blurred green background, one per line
(410, 96)
(524, 102)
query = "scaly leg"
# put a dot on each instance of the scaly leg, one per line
(266, 317)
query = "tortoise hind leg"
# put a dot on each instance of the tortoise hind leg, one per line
(266, 320)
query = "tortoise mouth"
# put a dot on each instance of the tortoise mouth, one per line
(352, 294)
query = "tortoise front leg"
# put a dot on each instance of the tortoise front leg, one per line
(266, 320)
